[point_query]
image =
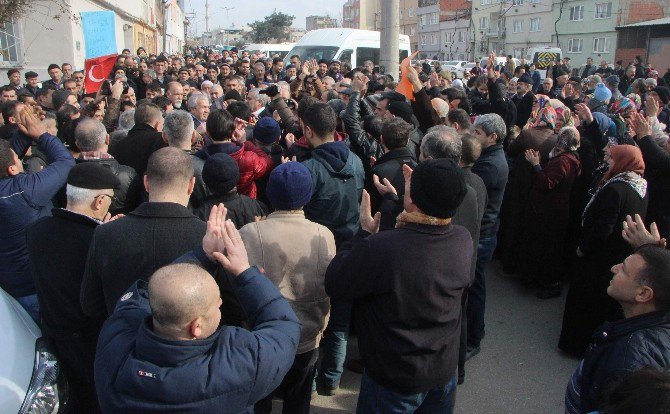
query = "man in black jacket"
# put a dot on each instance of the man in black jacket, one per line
(93, 141)
(641, 285)
(179, 132)
(445, 142)
(406, 364)
(151, 236)
(57, 248)
(388, 168)
(524, 99)
(492, 168)
(142, 140)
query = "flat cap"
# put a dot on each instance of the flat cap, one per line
(92, 176)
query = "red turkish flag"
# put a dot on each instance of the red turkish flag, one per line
(97, 71)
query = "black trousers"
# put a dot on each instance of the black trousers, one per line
(76, 358)
(296, 388)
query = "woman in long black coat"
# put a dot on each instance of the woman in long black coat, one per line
(622, 192)
(547, 214)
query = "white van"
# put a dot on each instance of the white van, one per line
(541, 56)
(346, 45)
(269, 49)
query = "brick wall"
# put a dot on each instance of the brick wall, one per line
(628, 55)
(634, 11)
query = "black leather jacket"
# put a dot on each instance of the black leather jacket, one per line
(129, 192)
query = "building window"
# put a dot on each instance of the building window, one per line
(461, 36)
(576, 13)
(433, 39)
(518, 52)
(423, 39)
(483, 22)
(400, 13)
(535, 24)
(410, 12)
(9, 44)
(601, 45)
(448, 37)
(517, 2)
(534, 1)
(518, 26)
(485, 2)
(435, 18)
(422, 19)
(603, 10)
(412, 31)
(575, 45)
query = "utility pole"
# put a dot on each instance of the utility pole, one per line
(390, 32)
(206, 15)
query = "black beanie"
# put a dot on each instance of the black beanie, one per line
(663, 93)
(438, 187)
(220, 173)
(402, 110)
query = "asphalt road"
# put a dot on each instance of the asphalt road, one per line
(519, 370)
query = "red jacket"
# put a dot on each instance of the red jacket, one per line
(253, 162)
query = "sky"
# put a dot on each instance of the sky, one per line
(246, 11)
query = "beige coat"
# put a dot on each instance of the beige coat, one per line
(294, 253)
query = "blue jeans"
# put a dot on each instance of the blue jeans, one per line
(31, 305)
(334, 345)
(373, 398)
(477, 292)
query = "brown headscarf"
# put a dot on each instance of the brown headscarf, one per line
(625, 158)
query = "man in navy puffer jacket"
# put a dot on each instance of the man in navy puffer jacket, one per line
(162, 350)
(641, 284)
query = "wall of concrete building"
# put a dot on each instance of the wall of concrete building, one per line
(455, 35)
(429, 32)
(521, 15)
(586, 30)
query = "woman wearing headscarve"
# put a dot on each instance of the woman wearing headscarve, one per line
(621, 192)
(538, 135)
(547, 213)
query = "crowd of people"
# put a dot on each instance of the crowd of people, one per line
(199, 234)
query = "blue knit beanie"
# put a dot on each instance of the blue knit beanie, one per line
(601, 93)
(267, 131)
(289, 186)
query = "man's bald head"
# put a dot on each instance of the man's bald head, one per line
(184, 301)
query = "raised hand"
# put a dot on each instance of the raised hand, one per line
(651, 106)
(234, 258)
(290, 140)
(533, 157)
(434, 79)
(641, 126)
(368, 222)
(213, 240)
(29, 124)
(636, 234)
(584, 113)
(384, 187)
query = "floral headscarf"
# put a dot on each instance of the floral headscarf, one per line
(545, 117)
(622, 105)
(563, 113)
(636, 100)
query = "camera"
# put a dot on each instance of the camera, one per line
(105, 89)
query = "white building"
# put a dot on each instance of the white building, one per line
(49, 34)
(455, 34)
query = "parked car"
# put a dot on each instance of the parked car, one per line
(500, 61)
(454, 66)
(465, 68)
(31, 380)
